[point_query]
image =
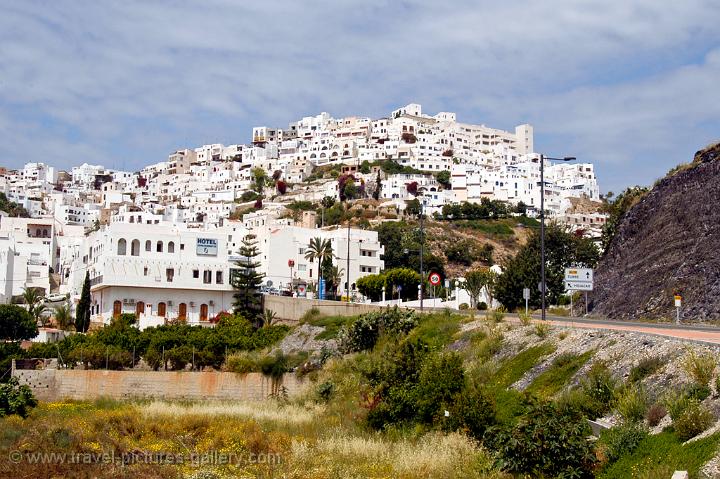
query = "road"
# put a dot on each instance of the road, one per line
(697, 333)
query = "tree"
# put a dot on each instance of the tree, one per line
(444, 179)
(378, 187)
(16, 398)
(617, 210)
(412, 188)
(318, 249)
(365, 167)
(247, 281)
(327, 202)
(82, 313)
(407, 279)
(371, 286)
(412, 207)
(333, 277)
(259, 180)
(63, 316)
(475, 281)
(16, 323)
(33, 299)
(562, 249)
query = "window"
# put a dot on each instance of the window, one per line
(218, 277)
(207, 276)
(169, 274)
(122, 246)
(302, 267)
(148, 245)
(159, 248)
(182, 246)
(135, 248)
(139, 308)
(301, 251)
(145, 271)
(171, 247)
(182, 311)
(196, 273)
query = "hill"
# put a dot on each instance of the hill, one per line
(667, 243)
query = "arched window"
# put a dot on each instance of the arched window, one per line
(117, 309)
(135, 248)
(203, 312)
(139, 308)
(162, 309)
(171, 247)
(148, 245)
(122, 247)
(159, 248)
(182, 311)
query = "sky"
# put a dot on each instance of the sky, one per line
(631, 86)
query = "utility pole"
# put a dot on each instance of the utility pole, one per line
(422, 269)
(348, 262)
(542, 234)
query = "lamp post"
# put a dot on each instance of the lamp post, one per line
(422, 251)
(543, 286)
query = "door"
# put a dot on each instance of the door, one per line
(117, 309)
(203, 312)
(139, 308)
(182, 311)
(161, 309)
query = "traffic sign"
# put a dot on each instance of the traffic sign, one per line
(678, 300)
(434, 279)
(579, 279)
(526, 293)
(302, 290)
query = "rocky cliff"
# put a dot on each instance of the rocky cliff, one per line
(668, 243)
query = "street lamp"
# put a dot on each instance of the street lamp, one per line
(542, 225)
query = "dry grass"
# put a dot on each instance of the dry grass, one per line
(272, 411)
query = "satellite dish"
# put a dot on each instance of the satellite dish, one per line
(269, 283)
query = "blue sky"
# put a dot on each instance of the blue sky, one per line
(629, 85)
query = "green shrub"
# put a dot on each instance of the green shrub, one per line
(542, 330)
(325, 390)
(699, 366)
(472, 411)
(525, 319)
(363, 333)
(442, 377)
(599, 386)
(646, 367)
(698, 391)
(482, 306)
(548, 441)
(655, 414)
(242, 362)
(622, 439)
(695, 419)
(497, 315)
(488, 344)
(310, 314)
(676, 402)
(464, 306)
(16, 398)
(632, 403)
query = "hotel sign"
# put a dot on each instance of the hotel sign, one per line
(207, 247)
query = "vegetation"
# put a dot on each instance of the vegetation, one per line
(486, 209)
(562, 369)
(247, 281)
(616, 210)
(16, 398)
(82, 312)
(16, 324)
(398, 283)
(11, 208)
(646, 367)
(700, 366)
(478, 280)
(562, 249)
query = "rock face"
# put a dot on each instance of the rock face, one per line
(669, 242)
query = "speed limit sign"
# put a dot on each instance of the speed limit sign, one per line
(434, 279)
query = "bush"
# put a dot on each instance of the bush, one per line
(363, 333)
(242, 362)
(542, 330)
(698, 391)
(676, 402)
(699, 366)
(548, 441)
(325, 390)
(498, 315)
(632, 404)
(464, 306)
(600, 385)
(655, 414)
(695, 419)
(622, 439)
(482, 306)
(472, 412)
(646, 367)
(16, 398)
(525, 319)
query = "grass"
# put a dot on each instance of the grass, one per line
(489, 227)
(332, 325)
(661, 454)
(559, 374)
(514, 368)
(437, 329)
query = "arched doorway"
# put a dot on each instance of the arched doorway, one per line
(117, 309)
(139, 308)
(182, 311)
(203, 312)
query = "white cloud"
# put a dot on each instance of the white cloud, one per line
(133, 80)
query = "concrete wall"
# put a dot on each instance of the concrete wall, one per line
(57, 384)
(292, 309)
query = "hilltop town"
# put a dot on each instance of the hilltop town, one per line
(162, 242)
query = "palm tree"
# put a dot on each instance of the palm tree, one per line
(318, 250)
(63, 317)
(33, 299)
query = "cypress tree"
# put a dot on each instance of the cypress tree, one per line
(82, 315)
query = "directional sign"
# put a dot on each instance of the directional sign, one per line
(526, 293)
(579, 279)
(434, 279)
(678, 300)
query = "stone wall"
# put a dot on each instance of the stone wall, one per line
(57, 384)
(292, 309)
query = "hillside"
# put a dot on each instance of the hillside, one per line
(668, 243)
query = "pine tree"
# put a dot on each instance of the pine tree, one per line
(82, 315)
(247, 281)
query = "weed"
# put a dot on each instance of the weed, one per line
(699, 366)
(647, 366)
(695, 419)
(632, 403)
(542, 330)
(655, 414)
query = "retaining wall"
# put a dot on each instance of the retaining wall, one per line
(292, 309)
(57, 384)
